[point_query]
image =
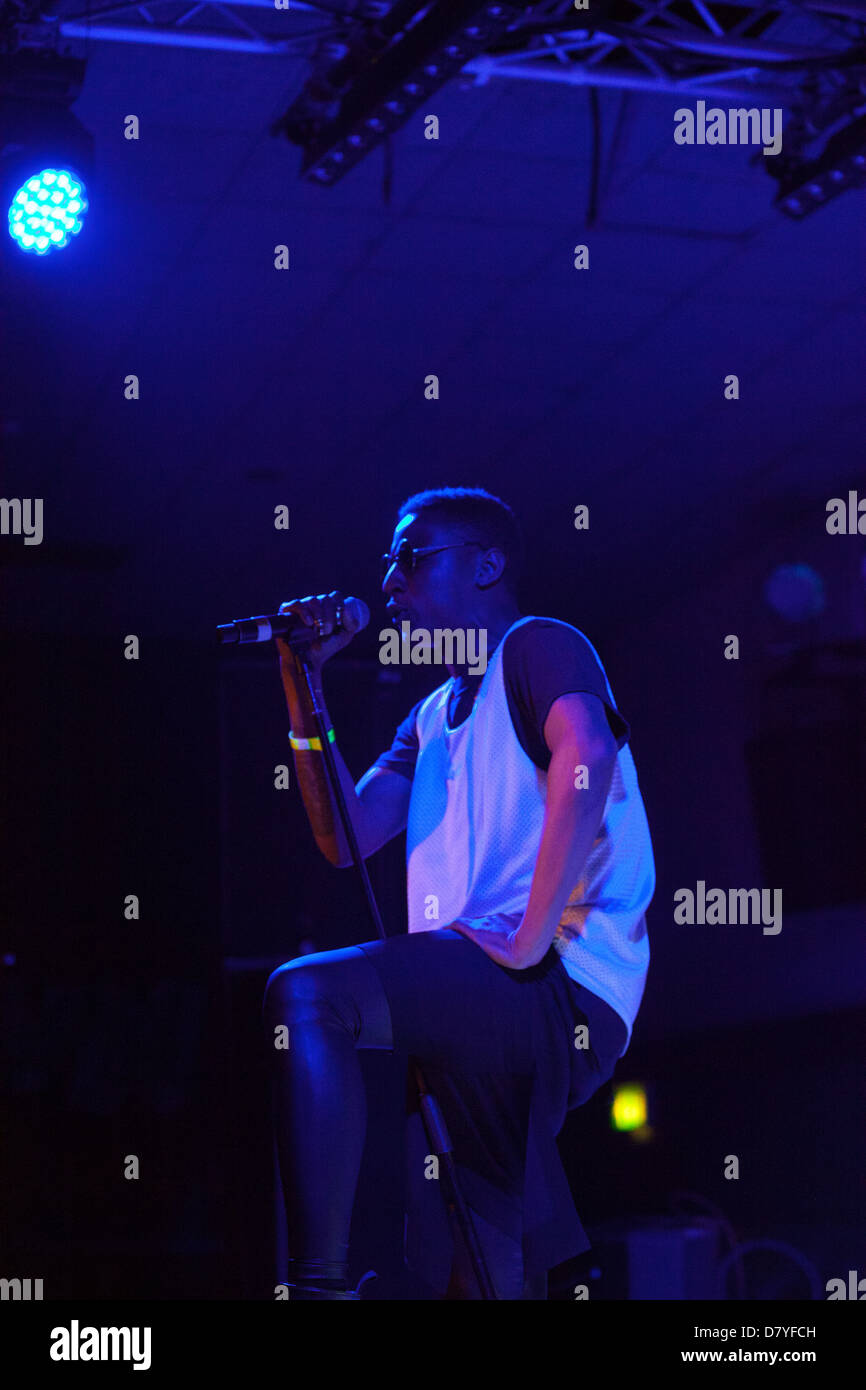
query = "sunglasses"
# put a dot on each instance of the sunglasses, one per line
(406, 555)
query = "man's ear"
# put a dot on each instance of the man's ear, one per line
(491, 566)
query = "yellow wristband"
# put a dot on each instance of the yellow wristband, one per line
(314, 743)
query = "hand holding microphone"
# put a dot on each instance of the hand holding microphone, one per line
(307, 632)
(333, 621)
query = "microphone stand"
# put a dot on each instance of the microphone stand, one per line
(434, 1120)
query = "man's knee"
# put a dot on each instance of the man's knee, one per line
(335, 989)
(295, 982)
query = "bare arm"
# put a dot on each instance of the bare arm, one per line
(577, 732)
(379, 805)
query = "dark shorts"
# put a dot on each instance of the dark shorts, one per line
(497, 1047)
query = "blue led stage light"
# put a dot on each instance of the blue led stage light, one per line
(47, 210)
(47, 173)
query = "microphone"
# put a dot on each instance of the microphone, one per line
(353, 615)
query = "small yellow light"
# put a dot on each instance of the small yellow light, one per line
(629, 1107)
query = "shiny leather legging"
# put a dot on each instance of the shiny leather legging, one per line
(333, 1003)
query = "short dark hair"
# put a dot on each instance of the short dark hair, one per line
(478, 516)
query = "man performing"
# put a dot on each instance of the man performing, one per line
(529, 871)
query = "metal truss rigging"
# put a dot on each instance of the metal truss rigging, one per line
(370, 65)
(700, 46)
